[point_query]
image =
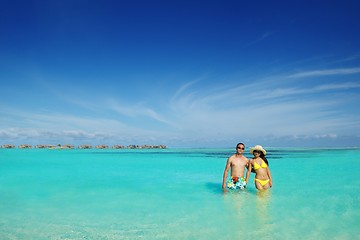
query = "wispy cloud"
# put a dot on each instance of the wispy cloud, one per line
(261, 38)
(55, 121)
(340, 71)
(340, 86)
(137, 110)
(263, 108)
(296, 91)
(184, 87)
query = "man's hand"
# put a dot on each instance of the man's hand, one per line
(224, 188)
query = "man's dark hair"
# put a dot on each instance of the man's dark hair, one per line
(240, 144)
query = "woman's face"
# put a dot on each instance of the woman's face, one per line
(256, 153)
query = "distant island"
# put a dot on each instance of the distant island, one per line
(84, 146)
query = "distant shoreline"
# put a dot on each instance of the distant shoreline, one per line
(83, 146)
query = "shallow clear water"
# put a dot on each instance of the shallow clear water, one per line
(175, 194)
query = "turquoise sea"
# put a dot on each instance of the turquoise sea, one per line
(176, 194)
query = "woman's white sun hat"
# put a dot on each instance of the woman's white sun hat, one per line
(258, 148)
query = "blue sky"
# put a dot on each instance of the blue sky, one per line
(180, 73)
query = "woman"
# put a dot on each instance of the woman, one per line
(260, 164)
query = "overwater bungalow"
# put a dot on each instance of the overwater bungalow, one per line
(118, 147)
(102, 146)
(67, 146)
(146, 146)
(23, 146)
(84, 146)
(133, 146)
(8, 146)
(41, 146)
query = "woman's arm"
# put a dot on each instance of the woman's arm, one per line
(269, 174)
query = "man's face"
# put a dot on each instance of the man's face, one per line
(240, 148)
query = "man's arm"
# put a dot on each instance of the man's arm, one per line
(248, 171)
(226, 170)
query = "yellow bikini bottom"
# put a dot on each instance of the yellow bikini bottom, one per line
(262, 182)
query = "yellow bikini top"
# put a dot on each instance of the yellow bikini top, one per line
(257, 166)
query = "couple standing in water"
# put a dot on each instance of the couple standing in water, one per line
(237, 164)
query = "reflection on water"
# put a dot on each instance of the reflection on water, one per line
(249, 213)
(262, 204)
(263, 216)
(237, 198)
(237, 212)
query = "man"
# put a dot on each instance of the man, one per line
(237, 163)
